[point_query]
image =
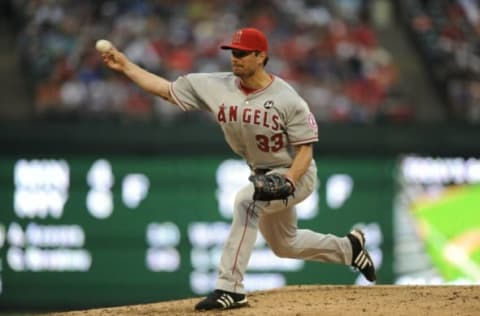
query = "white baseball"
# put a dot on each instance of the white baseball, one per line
(103, 45)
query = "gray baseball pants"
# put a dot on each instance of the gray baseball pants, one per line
(278, 224)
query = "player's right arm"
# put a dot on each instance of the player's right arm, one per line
(148, 81)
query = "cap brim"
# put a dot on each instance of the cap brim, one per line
(240, 47)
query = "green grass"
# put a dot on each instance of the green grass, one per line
(455, 212)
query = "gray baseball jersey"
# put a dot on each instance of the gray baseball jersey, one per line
(261, 127)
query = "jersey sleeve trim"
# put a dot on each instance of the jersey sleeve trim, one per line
(305, 141)
(182, 105)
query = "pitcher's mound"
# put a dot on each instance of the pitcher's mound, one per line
(326, 300)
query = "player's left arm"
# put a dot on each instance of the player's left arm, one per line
(301, 162)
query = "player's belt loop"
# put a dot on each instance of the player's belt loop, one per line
(261, 170)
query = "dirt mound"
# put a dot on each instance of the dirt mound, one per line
(326, 300)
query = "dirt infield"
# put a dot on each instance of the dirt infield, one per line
(325, 301)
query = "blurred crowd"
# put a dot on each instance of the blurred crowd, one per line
(448, 33)
(327, 50)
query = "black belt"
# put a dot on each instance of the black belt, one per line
(261, 170)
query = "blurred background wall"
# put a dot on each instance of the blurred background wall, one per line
(96, 174)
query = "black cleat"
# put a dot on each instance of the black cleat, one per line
(360, 258)
(221, 300)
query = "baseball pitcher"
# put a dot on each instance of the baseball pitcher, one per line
(267, 123)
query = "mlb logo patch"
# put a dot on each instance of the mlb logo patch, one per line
(268, 104)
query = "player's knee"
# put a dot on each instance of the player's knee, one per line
(283, 252)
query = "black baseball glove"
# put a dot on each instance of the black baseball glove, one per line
(272, 186)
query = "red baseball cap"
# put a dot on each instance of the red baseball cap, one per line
(249, 39)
